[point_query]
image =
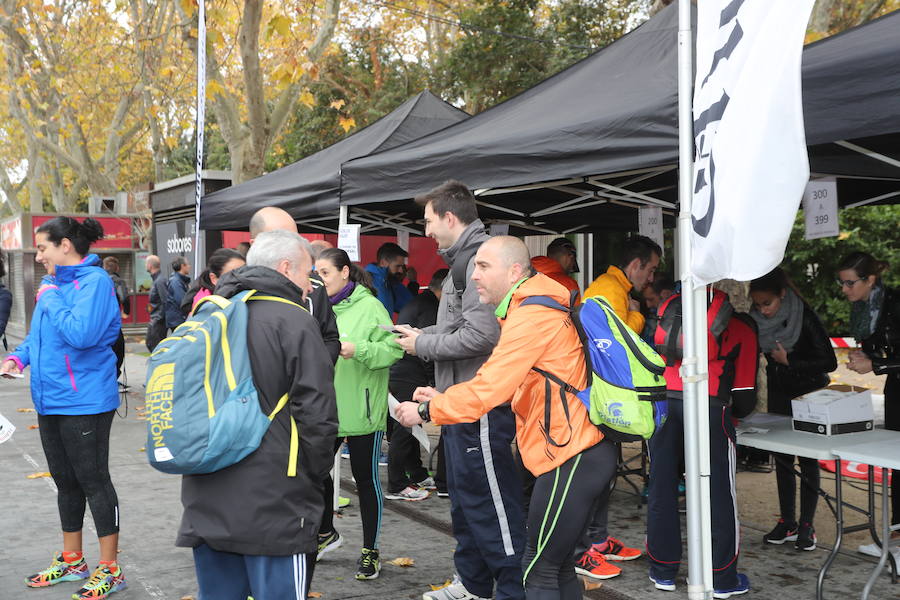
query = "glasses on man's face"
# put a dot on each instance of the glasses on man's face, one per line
(847, 282)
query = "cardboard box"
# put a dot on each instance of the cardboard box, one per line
(832, 412)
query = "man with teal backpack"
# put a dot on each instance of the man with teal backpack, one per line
(253, 524)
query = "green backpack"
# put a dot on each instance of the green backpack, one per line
(626, 394)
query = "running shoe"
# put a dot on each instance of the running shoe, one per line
(666, 585)
(102, 583)
(345, 450)
(783, 532)
(59, 571)
(806, 538)
(409, 494)
(343, 502)
(594, 565)
(368, 566)
(327, 543)
(426, 484)
(443, 493)
(742, 587)
(383, 460)
(455, 591)
(613, 549)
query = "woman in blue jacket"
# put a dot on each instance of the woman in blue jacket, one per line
(75, 392)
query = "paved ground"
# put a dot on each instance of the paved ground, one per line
(157, 570)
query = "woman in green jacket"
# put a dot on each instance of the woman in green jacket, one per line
(361, 383)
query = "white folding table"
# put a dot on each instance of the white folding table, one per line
(779, 436)
(883, 454)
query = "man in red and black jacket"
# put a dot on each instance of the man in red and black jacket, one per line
(733, 360)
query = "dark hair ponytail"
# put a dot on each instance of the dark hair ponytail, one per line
(82, 235)
(215, 264)
(864, 264)
(340, 259)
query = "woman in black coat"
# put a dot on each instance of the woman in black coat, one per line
(875, 323)
(799, 358)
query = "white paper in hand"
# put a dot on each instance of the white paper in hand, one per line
(6, 429)
(417, 430)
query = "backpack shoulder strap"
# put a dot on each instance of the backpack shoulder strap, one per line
(459, 268)
(545, 301)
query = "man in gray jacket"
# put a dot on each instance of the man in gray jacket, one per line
(486, 498)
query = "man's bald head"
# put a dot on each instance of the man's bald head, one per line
(499, 264)
(318, 246)
(271, 218)
(153, 264)
(511, 250)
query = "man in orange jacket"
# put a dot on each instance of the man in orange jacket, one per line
(538, 347)
(561, 261)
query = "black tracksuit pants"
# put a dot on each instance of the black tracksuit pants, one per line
(663, 519)
(404, 452)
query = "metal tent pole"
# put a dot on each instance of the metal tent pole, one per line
(694, 365)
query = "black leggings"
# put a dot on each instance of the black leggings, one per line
(787, 487)
(77, 451)
(562, 503)
(364, 454)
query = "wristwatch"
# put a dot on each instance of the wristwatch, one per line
(424, 414)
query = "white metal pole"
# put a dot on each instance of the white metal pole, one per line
(201, 121)
(694, 370)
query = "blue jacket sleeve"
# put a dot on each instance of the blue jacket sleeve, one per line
(23, 352)
(81, 324)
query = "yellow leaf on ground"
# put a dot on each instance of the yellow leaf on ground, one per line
(440, 586)
(314, 595)
(144, 449)
(33, 426)
(187, 598)
(337, 104)
(347, 123)
(25, 410)
(39, 475)
(590, 585)
(403, 561)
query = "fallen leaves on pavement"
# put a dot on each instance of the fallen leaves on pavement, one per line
(402, 561)
(26, 410)
(440, 586)
(33, 426)
(38, 475)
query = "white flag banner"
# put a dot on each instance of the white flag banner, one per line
(750, 162)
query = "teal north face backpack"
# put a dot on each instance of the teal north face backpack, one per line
(202, 406)
(626, 393)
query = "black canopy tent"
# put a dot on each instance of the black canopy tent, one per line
(582, 149)
(308, 188)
